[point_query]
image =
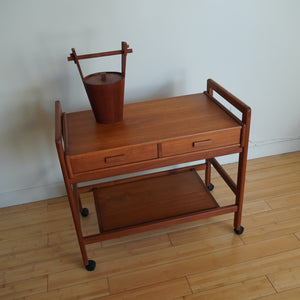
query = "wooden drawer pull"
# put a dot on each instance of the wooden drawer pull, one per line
(114, 159)
(200, 143)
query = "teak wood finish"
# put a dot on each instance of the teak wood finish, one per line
(153, 134)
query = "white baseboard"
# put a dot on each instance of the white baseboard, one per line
(273, 148)
(33, 194)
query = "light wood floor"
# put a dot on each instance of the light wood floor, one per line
(40, 257)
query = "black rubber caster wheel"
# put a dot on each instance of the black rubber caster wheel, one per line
(85, 212)
(91, 266)
(239, 231)
(210, 187)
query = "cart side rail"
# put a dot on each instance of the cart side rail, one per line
(233, 100)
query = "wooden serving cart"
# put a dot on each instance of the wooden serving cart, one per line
(152, 135)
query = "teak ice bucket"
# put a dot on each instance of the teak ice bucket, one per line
(105, 90)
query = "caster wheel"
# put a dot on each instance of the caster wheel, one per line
(210, 187)
(91, 266)
(85, 212)
(239, 231)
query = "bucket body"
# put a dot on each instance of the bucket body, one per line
(105, 91)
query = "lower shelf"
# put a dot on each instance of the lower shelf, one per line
(151, 200)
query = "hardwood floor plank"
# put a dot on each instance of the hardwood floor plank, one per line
(241, 272)
(258, 215)
(152, 233)
(285, 201)
(45, 227)
(147, 259)
(20, 245)
(286, 279)
(23, 208)
(24, 288)
(201, 232)
(215, 226)
(35, 229)
(109, 260)
(44, 267)
(275, 160)
(66, 235)
(165, 290)
(168, 255)
(2, 278)
(275, 174)
(288, 295)
(146, 245)
(269, 189)
(184, 267)
(37, 255)
(254, 207)
(246, 290)
(268, 217)
(88, 290)
(34, 213)
(271, 230)
(286, 214)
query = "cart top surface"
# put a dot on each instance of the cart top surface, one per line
(146, 122)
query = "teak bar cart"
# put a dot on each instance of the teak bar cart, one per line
(153, 134)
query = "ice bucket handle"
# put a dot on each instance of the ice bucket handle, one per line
(125, 49)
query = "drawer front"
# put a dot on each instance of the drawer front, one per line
(201, 142)
(116, 157)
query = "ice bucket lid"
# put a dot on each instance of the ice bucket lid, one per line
(103, 78)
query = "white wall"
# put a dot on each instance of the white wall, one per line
(251, 47)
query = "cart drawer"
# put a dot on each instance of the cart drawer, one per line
(201, 142)
(116, 157)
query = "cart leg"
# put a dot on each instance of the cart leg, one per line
(74, 205)
(75, 209)
(208, 183)
(84, 211)
(238, 229)
(73, 201)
